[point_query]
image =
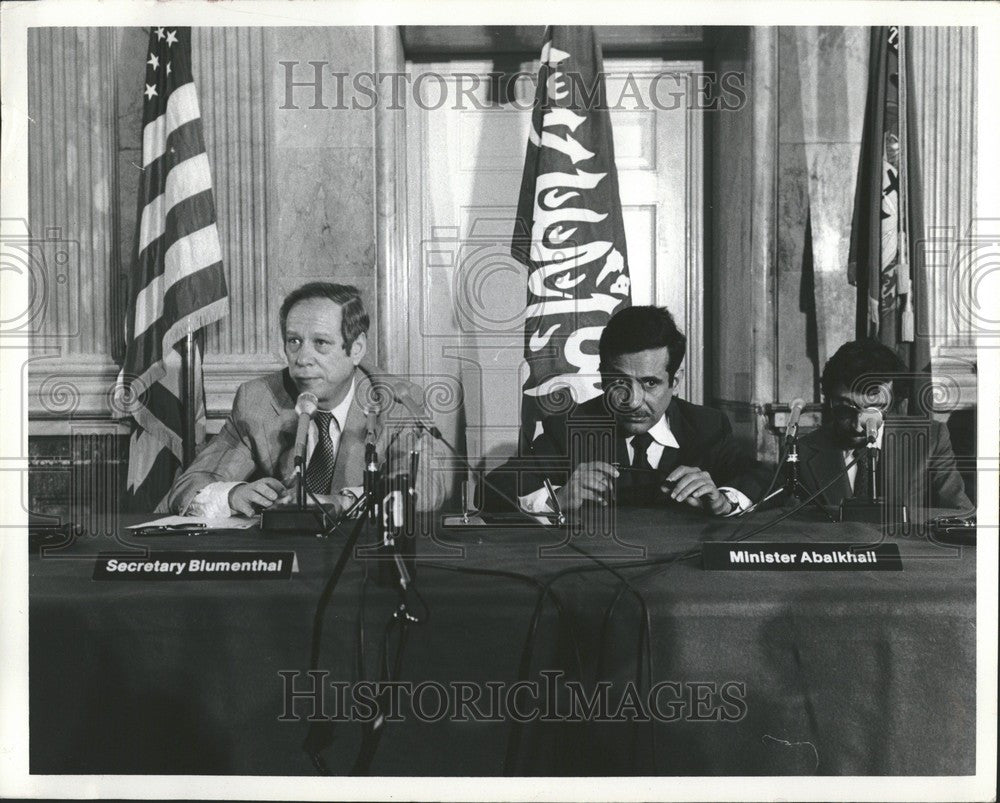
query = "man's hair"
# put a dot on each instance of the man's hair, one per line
(637, 329)
(859, 364)
(353, 317)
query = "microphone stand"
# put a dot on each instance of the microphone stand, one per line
(389, 532)
(300, 472)
(873, 508)
(871, 469)
(371, 483)
(793, 486)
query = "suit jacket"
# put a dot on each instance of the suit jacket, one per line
(588, 433)
(917, 466)
(258, 438)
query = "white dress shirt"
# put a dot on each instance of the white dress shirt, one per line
(663, 437)
(212, 501)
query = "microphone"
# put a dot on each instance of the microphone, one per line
(871, 420)
(306, 406)
(792, 428)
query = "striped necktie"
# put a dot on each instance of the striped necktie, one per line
(319, 472)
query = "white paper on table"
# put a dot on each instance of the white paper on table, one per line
(227, 523)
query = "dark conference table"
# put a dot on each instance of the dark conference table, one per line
(843, 672)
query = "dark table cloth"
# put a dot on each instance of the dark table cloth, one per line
(842, 672)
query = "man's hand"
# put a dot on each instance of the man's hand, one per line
(696, 487)
(590, 481)
(253, 496)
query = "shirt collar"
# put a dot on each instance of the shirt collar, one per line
(661, 433)
(341, 410)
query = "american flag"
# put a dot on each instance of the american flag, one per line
(569, 230)
(177, 284)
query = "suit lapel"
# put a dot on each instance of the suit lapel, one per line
(820, 459)
(281, 455)
(685, 435)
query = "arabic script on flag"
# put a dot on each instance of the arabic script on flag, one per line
(569, 230)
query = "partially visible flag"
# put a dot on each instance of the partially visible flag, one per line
(886, 260)
(177, 284)
(569, 230)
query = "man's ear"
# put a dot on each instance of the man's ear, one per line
(678, 376)
(359, 348)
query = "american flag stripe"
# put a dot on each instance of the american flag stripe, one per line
(162, 415)
(149, 343)
(187, 179)
(150, 302)
(182, 144)
(149, 469)
(183, 219)
(178, 283)
(187, 256)
(163, 403)
(182, 107)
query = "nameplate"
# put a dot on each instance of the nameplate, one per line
(232, 565)
(784, 557)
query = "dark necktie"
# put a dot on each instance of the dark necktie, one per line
(319, 473)
(640, 444)
(861, 478)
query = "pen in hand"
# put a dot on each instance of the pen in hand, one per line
(554, 501)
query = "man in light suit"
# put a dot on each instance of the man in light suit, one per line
(636, 439)
(917, 466)
(249, 465)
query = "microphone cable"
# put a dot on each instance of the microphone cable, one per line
(514, 738)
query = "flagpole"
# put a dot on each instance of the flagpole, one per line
(188, 401)
(904, 283)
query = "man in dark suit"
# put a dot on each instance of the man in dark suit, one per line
(636, 442)
(916, 464)
(249, 465)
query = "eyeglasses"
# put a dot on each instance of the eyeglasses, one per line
(843, 408)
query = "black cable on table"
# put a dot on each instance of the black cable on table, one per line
(645, 639)
(514, 738)
(372, 736)
(317, 737)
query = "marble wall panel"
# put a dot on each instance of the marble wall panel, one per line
(321, 200)
(822, 70)
(730, 192)
(70, 208)
(823, 80)
(324, 204)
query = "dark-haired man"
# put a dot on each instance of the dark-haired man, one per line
(917, 464)
(637, 436)
(249, 465)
